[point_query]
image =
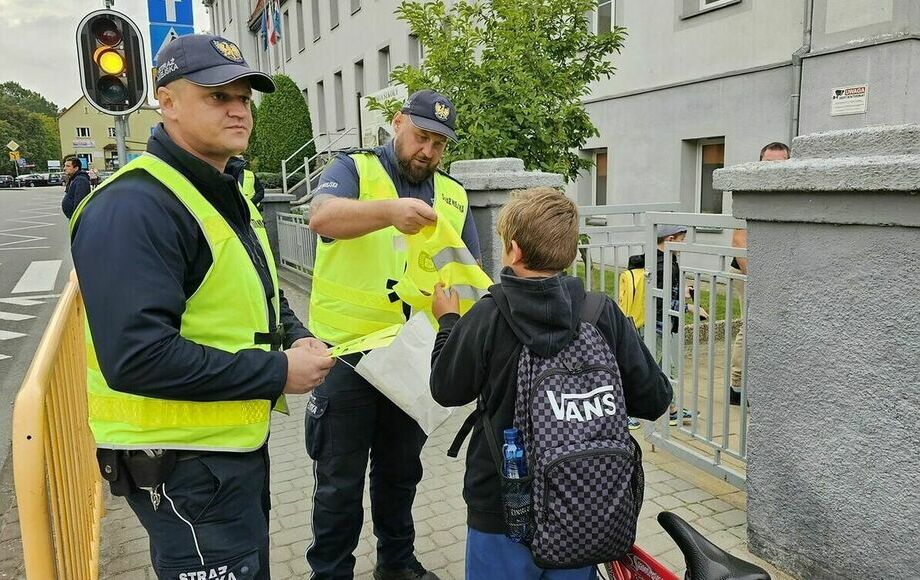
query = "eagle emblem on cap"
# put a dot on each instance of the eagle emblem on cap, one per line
(228, 50)
(441, 111)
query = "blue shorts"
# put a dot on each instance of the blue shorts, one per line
(490, 556)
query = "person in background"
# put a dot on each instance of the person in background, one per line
(78, 185)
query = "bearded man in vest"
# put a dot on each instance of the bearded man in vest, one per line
(364, 205)
(190, 342)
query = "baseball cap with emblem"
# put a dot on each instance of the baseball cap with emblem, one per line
(208, 61)
(432, 111)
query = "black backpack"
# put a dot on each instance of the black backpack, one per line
(580, 503)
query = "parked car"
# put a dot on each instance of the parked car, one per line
(32, 180)
(56, 178)
(7, 181)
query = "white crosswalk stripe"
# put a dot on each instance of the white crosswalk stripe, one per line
(14, 316)
(40, 276)
(8, 334)
(4, 356)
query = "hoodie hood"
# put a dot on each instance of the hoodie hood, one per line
(543, 312)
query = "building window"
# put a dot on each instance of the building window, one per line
(416, 53)
(600, 177)
(86, 158)
(301, 31)
(321, 107)
(333, 14)
(111, 131)
(691, 8)
(83, 132)
(355, 6)
(339, 101)
(383, 66)
(705, 4)
(359, 77)
(286, 35)
(710, 155)
(605, 17)
(314, 6)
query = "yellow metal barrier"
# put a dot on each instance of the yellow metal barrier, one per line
(58, 487)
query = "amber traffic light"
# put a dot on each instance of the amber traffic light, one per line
(112, 65)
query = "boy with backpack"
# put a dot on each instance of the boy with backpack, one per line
(565, 367)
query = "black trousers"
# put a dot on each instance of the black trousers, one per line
(347, 422)
(212, 518)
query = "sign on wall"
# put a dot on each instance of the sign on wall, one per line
(851, 100)
(375, 130)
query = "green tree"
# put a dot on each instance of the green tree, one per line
(516, 71)
(283, 126)
(14, 93)
(31, 120)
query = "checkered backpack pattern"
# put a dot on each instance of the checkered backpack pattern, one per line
(586, 467)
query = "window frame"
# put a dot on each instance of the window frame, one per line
(698, 195)
(613, 15)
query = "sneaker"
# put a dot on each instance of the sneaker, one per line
(633, 423)
(414, 572)
(734, 396)
(687, 417)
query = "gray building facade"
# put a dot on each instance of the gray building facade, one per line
(701, 84)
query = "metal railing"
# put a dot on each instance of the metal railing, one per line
(58, 487)
(307, 161)
(609, 235)
(715, 437)
(698, 358)
(296, 243)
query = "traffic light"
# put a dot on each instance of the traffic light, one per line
(112, 65)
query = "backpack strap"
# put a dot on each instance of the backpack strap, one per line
(593, 307)
(464, 432)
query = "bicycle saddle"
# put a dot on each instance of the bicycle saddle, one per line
(705, 560)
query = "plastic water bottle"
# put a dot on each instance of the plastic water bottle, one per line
(514, 464)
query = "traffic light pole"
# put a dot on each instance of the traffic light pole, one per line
(121, 123)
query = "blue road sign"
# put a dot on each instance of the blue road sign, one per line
(171, 12)
(162, 34)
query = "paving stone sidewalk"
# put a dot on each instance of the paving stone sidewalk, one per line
(714, 507)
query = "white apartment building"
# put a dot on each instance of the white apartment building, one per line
(700, 83)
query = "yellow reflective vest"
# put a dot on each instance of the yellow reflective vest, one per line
(248, 187)
(226, 312)
(354, 281)
(437, 254)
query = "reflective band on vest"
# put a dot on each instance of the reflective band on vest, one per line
(438, 254)
(353, 280)
(225, 312)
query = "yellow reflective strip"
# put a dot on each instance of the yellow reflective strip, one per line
(216, 229)
(323, 285)
(163, 414)
(349, 323)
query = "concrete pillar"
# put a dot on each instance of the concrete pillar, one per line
(833, 343)
(274, 203)
(487, 183)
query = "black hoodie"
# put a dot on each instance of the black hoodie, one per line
(478, 354)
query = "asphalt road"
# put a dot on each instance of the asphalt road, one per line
(34, 267)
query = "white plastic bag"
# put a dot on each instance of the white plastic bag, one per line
(401, 371)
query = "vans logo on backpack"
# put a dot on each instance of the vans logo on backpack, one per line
(584, 407)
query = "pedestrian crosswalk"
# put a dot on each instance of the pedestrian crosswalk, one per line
(33, 287)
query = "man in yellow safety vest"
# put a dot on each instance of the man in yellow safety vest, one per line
(365, 204)
(190, 342)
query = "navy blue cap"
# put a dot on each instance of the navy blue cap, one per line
(432, 111)
(208, 61)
